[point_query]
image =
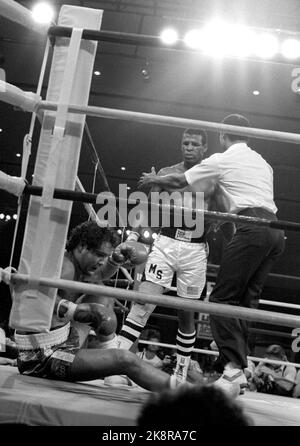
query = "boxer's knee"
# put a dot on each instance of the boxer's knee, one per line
(126, 360)
(141, 313)
(109, 324)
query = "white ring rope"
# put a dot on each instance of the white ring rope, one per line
(213, 353)
(221, 310)
(271, 303)
(29, 103)
(147, 118)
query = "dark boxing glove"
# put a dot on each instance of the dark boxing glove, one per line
(109, 323)
(95, 315)
(129, 254)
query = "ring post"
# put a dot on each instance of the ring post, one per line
(33, 305)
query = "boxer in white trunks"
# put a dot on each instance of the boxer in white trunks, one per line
(175, 250)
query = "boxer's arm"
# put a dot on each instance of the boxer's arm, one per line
(129, 253)
(170, 181)
(67, 273)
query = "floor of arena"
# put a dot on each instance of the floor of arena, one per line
(42, 402)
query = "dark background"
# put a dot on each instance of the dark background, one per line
(183, 84)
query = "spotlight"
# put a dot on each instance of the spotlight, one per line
(256, 92)
(1, 130)
(146, 234)
(193, 39)
(169, 36)
(8, 217)
(97, 73)
(2, 216)
(215, 38)
(123, 168)
(119, 231)
(266, 46)
(240, 40)
(154, 235)
(18, 155)
(127, 232)
(43, 13)
(290, 48)
(15, 216)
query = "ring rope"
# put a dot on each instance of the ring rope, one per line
(272, 303)
(213, 353)
(269, 317)
(147, 118)
(143, 40)
(64, 194)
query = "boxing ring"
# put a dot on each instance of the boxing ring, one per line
(36, 401)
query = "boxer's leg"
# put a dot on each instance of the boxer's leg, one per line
(97, 364)
(191, 279)
(138, 317)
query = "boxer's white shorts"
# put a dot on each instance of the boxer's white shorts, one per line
(188, 260)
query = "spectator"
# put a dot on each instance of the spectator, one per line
(169, 361)
(273, 378)
(149, 353)
(192, 406)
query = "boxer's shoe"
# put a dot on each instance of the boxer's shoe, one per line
(233, 381)
(117, 380)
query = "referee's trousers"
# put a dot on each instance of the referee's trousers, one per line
(246, 262)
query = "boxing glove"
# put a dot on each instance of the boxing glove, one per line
(93, 314)
(109, 323)
(129, 254)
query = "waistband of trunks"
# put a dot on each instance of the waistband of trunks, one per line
(35, 341)
(173, 232)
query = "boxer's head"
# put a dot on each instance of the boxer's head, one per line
(193, 146)
(91, 244)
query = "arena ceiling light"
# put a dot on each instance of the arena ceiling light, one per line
(43, 12)
(239, 40)
(266, 45)
(193, 39)
(290, 48)
(216, 37)
(169, 36)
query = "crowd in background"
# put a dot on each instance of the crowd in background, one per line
(271, 378)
